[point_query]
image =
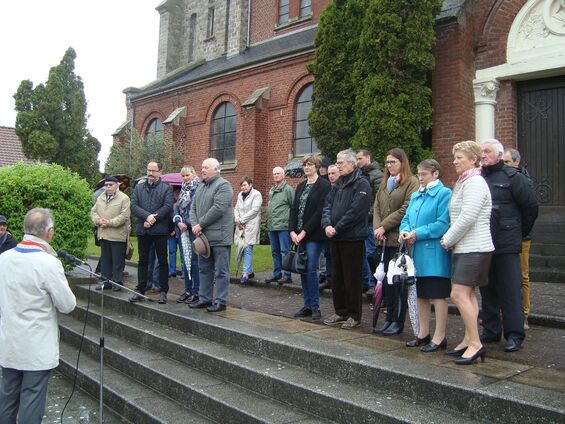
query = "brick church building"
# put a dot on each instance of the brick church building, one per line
(232, 83)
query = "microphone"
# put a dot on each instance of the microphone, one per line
(70, 257)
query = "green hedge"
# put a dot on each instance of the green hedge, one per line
(48, 186)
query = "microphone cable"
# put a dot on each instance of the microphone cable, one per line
(80, 344)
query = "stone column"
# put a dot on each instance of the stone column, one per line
(485, 109)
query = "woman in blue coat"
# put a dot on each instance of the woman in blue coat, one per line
(425, 222)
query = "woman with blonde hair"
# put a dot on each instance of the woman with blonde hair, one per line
(470, 240)
(391, 203)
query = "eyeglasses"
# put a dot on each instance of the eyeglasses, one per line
(423, 174)
(308, 164)
(391, 162)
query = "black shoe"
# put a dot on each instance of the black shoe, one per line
(456, 352)
(136, 298)
(325, 285)
(162, 298)
(117, 287)
(106, 286)
(193, 298)
(200, 304)
(173, 275)
(432, 347)
(393, 329)
(251, 275)
(488, 338)
(316, 314)
(513, 344)
(216, 307)
(303, 312)
(382, 327)
(272, 280)
(284, 280)
(470, 361)
(183, 297)
(418, 341)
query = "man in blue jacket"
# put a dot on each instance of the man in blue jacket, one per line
(344, 220)
(152, 204)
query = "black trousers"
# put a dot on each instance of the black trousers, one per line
(112, 259)
(144, 247)
(503, 292)
(347, 271)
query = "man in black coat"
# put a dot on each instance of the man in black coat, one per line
(514, 211)
(7, 241)
(344, 220)
(152, 204)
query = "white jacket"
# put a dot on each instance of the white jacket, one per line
(248, 212)
(469, 213)
(32, 288)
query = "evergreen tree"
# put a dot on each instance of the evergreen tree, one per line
(51, 121)
(393, 102)
(332, 121)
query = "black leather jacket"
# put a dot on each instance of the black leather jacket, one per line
(514, 207)
(148, 199)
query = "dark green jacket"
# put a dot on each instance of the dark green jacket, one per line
(280, 202)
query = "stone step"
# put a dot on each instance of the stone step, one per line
(547, 275)
(377, 375)
(547, 249)
(125, 396)
(210, 361)
(553, 262)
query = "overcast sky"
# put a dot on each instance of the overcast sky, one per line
(116, 45)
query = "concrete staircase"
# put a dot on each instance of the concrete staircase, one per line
(547, 254)
(169, 364)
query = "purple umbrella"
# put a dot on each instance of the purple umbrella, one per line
(174, 179)
(378, 296)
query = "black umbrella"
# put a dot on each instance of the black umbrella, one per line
(293, 169)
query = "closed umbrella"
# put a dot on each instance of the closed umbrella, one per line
(240, 244)
(378, 296)
(186, 247)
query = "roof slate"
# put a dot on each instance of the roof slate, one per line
(11, 147)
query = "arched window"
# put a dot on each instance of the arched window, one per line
(222, 134)
(154, 131)
(303, 142)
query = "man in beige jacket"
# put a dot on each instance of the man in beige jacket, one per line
(111, 215)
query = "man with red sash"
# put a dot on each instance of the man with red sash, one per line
(33, 288)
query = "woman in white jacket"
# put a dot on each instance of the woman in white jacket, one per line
(247, 216)
(470, 240)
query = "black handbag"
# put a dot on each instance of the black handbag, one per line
(295, 260)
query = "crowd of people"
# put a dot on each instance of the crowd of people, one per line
(345, 215)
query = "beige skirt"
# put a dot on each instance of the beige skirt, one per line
(470, 269)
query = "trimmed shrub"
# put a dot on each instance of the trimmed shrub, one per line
(25, 187)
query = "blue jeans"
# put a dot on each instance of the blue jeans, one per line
(173, 242)
(310, 286)
(191, 285)
(248, 259)
(370, 250)
(280, 243)
(215, 269)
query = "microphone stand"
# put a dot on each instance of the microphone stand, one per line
(101, 344)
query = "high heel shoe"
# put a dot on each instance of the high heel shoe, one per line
(456, 352)
(418, 341)
(469, 361)
(432, 347)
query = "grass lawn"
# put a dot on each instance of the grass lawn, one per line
(262, 259)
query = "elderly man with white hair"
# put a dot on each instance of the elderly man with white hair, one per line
(281, 197)
(514, 211)
(211, 215)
